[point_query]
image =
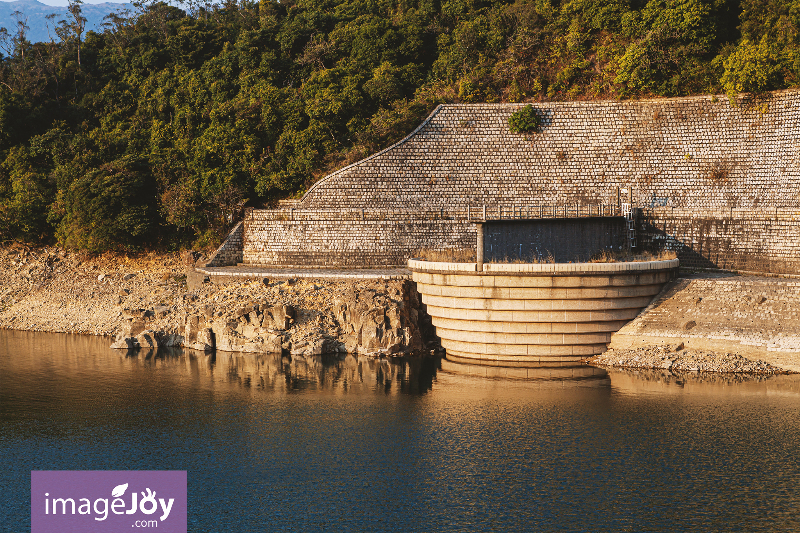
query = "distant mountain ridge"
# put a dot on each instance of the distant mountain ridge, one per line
(36, 12)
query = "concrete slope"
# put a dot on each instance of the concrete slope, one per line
(758, 317)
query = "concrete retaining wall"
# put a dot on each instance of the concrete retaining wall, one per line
(756, 317)
(534, 313)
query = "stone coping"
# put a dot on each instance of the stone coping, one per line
(255, 272)
(420, 265)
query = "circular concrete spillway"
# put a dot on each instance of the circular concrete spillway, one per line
(534, 313)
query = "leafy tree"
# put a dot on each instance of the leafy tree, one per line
(109, 208)
(28, 196)
(157, 130)
(672, 41)
(752, 68)
(768, 54)
(526, 120)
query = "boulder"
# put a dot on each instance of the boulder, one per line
(204, 340)
(191, 328)
(147, 339)
(124, 343)
(133, 327)
(278, 317)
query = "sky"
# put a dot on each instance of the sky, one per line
(63, 3)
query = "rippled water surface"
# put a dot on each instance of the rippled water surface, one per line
(356, 445)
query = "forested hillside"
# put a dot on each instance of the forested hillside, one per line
(158, 131)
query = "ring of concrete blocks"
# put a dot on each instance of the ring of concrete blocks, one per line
(538, 313)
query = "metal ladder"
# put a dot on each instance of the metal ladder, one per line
(630, 224)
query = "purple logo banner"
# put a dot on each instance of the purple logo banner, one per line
(100, 501)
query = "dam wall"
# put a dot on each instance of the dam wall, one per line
(718, 183)
(534, 313)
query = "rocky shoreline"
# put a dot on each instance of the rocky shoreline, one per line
(159, 300)
(155, 300)
(676, 358)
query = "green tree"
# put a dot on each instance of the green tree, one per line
(671, 48)
(111, 208)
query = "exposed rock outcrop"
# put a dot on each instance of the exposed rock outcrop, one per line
(363, 317)
(155, 301)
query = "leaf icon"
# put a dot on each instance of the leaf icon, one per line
(119, 490)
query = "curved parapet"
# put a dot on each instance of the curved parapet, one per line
(538, 313)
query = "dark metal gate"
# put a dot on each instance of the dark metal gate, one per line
(563, 239)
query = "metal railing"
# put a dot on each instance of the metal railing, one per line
(566, 210)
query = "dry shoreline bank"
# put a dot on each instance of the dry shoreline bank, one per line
(714, 322)
(146, 301)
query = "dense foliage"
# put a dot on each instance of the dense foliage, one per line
(159, 130)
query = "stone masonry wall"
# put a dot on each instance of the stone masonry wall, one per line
(685, 153)
(708, 175)
(358, 240)
(230, 252)
(758, 240)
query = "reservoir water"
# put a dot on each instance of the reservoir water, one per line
(417, 445)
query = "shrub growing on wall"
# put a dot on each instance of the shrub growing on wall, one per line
(526, 120)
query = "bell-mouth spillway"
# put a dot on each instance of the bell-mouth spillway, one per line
(509, 313)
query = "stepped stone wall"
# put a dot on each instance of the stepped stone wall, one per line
(720, 183)
(231, 250)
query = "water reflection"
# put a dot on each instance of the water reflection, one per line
(65, 358)
(348, 444)
(666, 382)
(557, 375)
(407, 375)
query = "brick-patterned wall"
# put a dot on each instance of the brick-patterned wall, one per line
(758, 240)
(371, 239)
(683, 152)
(687, 161)
(230, 252)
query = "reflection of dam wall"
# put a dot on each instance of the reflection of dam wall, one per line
(558, 376)
(515, 313)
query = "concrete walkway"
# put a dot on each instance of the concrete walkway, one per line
(249, 272)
